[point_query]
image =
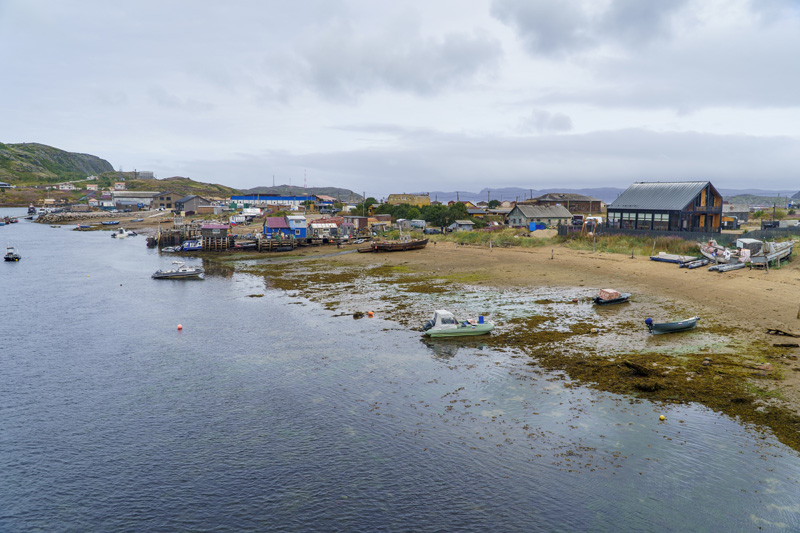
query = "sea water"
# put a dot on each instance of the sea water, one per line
(273, 414)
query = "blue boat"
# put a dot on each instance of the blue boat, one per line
(110, 222)
(192, 246)
(671, 327)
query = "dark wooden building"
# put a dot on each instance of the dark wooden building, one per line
(667, 206)
(574, 203)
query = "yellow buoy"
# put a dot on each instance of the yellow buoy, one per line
(662, 417)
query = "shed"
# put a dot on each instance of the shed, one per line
(190, 203)
(214, 230)
(462, 225)
(276, 227)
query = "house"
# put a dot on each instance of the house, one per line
(522, 215)
(298, 226)
(476, 213)
(119, 186)
(292, 203)
(417, 200)
(66, 187)
(4, 185)
(359, 223)
(165, 200)
(214, 230)
(740, 211)
(276, 227)
(462, 225)
(93, 202)
(91, 186)
(323, 228)
(667, 206)
(190, 203)
(575, 203)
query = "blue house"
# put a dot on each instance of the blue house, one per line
(276, 227)
(298, 226)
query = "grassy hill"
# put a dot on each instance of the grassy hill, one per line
(345, 195)
(178, 185)
(37, 164)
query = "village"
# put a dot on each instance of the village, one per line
(692, 210)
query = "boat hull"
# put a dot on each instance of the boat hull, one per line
(624, 297)
(378, 247)
(673, 327)
(462, 331)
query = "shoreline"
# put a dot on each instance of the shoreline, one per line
(729, 363)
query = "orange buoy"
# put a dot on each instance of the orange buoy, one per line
(369, 314)
(180, 327)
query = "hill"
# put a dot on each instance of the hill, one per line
(178, 185)
(33, 163)
(344, 195)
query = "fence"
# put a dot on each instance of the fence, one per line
(726, 239)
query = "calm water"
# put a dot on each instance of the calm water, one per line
(271, 414)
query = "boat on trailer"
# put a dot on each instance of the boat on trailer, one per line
(657, 328)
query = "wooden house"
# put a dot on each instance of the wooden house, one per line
(214, 230)
(190, 203)
(574, 203)
(276, 227)
(667, 206)
(522, 215)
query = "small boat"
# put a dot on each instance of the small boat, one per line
(695, 264)
(55, 226)
(726, 267)
(717, 253)
(11, 254)
(192, 246)
(171, 249)
(444, 324)
(137, 220)
(123, 233)
(671, 327)
(110, 222)
(83, 227)
(610, 296)
(673, 258)
(31, 209)
(181, 271)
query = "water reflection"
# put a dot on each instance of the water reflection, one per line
(444, 349)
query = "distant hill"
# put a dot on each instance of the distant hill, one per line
(606, 194)
(33, 163)
(344, 195)
(178, 185)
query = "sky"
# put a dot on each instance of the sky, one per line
(401, 97)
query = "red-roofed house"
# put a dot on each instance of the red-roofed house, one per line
(276, 226)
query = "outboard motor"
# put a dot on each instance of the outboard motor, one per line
(427, 325)
(649, 322)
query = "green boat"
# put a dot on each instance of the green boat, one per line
(444, 324)
(671, 327)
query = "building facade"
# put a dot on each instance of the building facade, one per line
(417, 200)
(667, 206)
(522, 215)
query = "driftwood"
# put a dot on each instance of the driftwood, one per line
(771, 331)
(639, 370)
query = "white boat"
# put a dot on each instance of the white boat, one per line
(718, 253)
(122, 233)
(444, 324)
(12, 254)
(181, 271)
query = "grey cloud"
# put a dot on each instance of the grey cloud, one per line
(607, 158)
(556, 28)
(545, 122)
(340, 64)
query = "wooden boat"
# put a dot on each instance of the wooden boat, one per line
(444, 324)
(673, 258)
(395, 246)
(610, 296)
(671, 327)
(717, 253)
(180, 272)
(11, 254)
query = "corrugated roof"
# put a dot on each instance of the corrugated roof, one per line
(565, 197)
(544, 211)
(672, 196)
(276, 223)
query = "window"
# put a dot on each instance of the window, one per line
(297, 232)
(628, 220)
(661, 221)
(644, 221)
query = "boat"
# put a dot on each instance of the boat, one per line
(110, 222)
(83, 227)
(192, 246)
(695, 264)
(55, 226)
(181, 271)
(717, 253)
(776, 251)
(395, 246)
(671, 327)
(726, 267)
(137, 220)
(31, 209)
(123, 233)
(11, 254)
(673, 258)
(444, 324)
(611, 296)
(171, 249)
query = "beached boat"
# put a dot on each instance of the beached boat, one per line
(181, 271)
(395, 246)
(671, 327)
(673, 258)
(137, 220)
(695, 264)
(444, 324)
(726, 267)
(611, 296)
(11, 254)
(776, 251)
(110, 222)
(717, 253)
(171, 249)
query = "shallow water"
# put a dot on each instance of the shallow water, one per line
(272, 414)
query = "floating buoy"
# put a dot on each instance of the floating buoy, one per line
(595, 330)
(180, 327)
(662, 417)
(369, 314)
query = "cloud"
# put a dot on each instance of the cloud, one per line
(545, 122)
(340, 63)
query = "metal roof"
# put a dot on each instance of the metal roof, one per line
(544, 211)
(276, 223)
(672, 196)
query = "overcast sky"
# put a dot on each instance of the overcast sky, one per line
(412, 96)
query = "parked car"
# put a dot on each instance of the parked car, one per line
(432, 231)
